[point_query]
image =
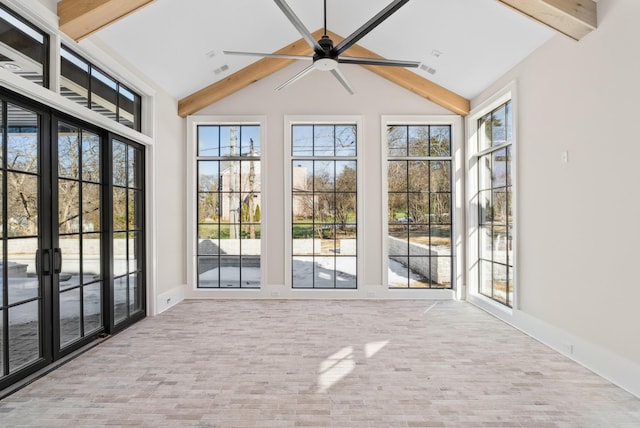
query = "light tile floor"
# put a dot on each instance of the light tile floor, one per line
(305, 363)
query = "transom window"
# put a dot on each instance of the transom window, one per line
(419, 193)
(85, 84)
(495, 204)
(23, 48)
(229, 206)
(324, 225)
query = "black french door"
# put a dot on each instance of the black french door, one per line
(71, 236)
(25, 297)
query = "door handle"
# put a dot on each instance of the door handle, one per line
(43, 262)
(57, 260)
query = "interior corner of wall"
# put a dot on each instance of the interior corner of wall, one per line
(170, 298)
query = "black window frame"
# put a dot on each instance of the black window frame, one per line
(46, 44)
(434, 159)
(489, 153)
(136, 124)
(324, 228)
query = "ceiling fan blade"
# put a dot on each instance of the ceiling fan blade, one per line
(336, 72)
(306, 34)
(368, 26)
(378, 61)
(268, 55)
(303, 73)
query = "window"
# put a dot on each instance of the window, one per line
(419, 194)
(72, 242)
(85, 84)
(127, 243)
(23, 48)
(79, 202)
(494, 140)
(229, 208)
(324, 225)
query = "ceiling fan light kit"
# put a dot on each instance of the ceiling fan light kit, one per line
(326, 57)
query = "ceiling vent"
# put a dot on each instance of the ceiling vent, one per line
(427, 69)
(221, 69)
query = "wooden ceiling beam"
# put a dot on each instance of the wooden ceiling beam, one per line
(574, 18)
(242, 78)
(80, 18)
(266, 66)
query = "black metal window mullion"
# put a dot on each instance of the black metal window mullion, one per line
(236, 162)
(331, 193)
(126, 233)
(429, 160)
(4, 370)
(81, 230)
(489, 153)
(118, 95)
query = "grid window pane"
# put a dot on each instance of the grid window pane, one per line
(229, 206)
(397, 144)
(418, 140)
(324, 206)
(440, 141)
(24, 48)
(346, 140)
(419, 206)
(495, 201)
(397, 175)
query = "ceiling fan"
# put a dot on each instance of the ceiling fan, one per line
(326, 56)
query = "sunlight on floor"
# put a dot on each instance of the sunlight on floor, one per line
(339, 365)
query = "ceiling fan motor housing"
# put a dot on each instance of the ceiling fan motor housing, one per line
(326, 59)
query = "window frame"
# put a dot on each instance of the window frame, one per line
(289, 122)
(457, 174)
(474, 153)
(406, 159)
(94, 72)
(193, 122)
(46, 64)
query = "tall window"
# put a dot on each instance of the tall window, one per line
(79, 231)
(83, 83)
(23, 48)
(127, 163)
(495, 196)
(419, 178)
(229, 206)
(323, 206)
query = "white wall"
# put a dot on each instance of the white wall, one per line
(320, 94)
(579, 234)
(169, 208)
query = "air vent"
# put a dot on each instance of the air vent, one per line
(221, 69)
(427, 69)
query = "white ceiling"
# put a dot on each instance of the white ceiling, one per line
(179, 43)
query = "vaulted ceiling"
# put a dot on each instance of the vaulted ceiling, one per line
(463, 45)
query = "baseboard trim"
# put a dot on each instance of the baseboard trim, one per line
(169, 299)
(616, 369)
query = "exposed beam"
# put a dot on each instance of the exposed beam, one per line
(574, 18)
(266, 66)
(242, 78)
(80, 18)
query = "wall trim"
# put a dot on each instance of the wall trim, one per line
(606, 364)
(170, 298)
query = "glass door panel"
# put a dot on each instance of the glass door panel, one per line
(21, 290)
(70, 202)
(79, 201)
(127, 162)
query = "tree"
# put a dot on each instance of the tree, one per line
(345, 200)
